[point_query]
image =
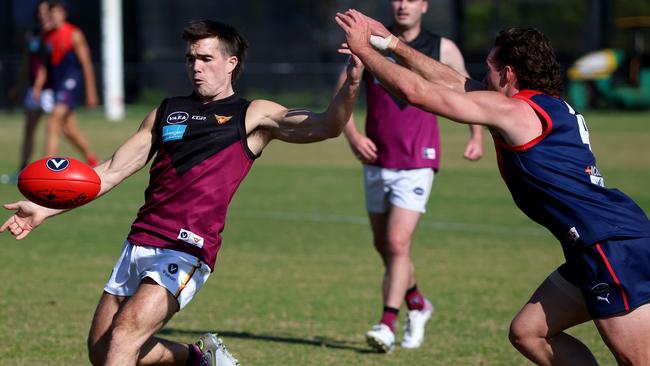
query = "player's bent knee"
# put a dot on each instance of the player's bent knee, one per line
(523, 336)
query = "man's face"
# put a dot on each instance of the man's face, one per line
(208, 69)
(57, 16)
(44, 18)
(408, 13)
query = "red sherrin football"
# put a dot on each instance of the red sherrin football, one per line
(59, 182)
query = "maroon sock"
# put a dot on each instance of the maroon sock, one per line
(194, 357)
(389, 317)
(414, 299)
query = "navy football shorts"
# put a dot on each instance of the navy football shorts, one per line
(613, 275)
(68, 91)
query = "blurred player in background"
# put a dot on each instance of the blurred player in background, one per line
(400, 155)
(204, 146)
(43, 101)
(68, 68)
(546, 161)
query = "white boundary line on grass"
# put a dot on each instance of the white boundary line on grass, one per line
(363, 220)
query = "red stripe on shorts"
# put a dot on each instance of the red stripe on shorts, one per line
(611, 272)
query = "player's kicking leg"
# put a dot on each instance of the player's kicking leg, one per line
(122, 333)
(131, 311)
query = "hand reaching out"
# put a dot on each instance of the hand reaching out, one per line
(27, 217)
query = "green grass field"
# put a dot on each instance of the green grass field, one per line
(297, 281)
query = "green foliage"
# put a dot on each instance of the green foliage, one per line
(297, 281)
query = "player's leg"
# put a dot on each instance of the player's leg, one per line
(626, 335)
(33, 111)
(410, 190)
(400, 273)
(102, 332)
(54, 128)
(131, 311)
(31, 121)
(393, 226)
(381, 337)
(109, 305)
(537, 331)
(131, 337)
(73, 133)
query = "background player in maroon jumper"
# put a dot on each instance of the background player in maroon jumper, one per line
(204, 145)
(69, 66)
(543, 148)
(400, 154)
(34, 105)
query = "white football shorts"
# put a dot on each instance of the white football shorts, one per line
(45, 104)
(182, 274)
(405, 188)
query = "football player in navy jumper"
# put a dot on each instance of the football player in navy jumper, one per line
(202, 146)
(546, 161)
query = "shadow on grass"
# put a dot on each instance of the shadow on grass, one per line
(316, 341)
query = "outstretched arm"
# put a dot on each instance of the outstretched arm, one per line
(270, 120)
(127, 159)
(480, 107)
(450, 71)
(83, 54)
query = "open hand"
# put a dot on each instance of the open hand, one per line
(356, 28)
(28, 216)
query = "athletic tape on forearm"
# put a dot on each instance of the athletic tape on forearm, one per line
(384, 43)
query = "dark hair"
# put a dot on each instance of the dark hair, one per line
(531, 55)
(232, 43)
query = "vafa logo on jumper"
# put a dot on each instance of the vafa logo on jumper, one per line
(57, 164)
(191, 238)
(177, 117)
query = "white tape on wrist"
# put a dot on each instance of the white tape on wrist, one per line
(383, 43)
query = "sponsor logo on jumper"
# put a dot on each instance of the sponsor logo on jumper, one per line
(573, 235)
(177, 117)
(222, 119)
(595, 176)
(600, 288)
(606, 298)
(191, 238)
(173, 133)
(429, 153)
(57, 164)
(419, 191)
(199, 118)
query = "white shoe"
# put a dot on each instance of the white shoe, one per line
(381, 338)
(215, 352)
(416, 320)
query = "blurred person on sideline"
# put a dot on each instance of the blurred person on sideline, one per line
(203, 145)
(545, 158)
(400, 154)
(34, 106)
(69, 66)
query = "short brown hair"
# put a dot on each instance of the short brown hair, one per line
(531, 55)
(233, 43)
